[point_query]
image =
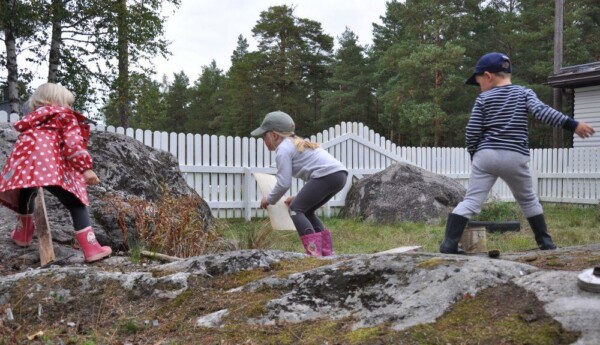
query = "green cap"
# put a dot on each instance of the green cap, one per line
(275, 121)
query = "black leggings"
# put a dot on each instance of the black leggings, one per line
(79, 212)
(315, 193)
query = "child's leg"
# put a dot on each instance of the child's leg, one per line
(328, 186)
(521, 185)
(92, 251)
(79, 212)
(22, 235)
(335, 182)
(481, 181)
(27, 200)
(314, 194)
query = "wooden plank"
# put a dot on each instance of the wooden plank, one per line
(404, 249)
(43, 229)
(159, 256)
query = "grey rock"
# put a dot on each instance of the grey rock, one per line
(227, 263)
(575, 309)
(212, 320)
(403, 192)
(404, 290)
(127, 169)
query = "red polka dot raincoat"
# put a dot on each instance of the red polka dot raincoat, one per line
(51, 151)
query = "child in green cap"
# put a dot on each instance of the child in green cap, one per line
(296, 157)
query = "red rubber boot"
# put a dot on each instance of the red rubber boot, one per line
(312, 243)
(22, 235)
(92, 251)
(327, 243)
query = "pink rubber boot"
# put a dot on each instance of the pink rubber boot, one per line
(92, 251)
(312, 243)
(327, 243)
(22, 235)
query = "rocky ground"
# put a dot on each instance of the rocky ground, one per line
(271, 297)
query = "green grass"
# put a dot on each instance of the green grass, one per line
(569, 225)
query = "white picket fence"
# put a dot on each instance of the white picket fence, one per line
(220, 168)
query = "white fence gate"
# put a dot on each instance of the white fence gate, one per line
(220, 168)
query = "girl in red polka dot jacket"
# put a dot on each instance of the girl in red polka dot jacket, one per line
(51, 152)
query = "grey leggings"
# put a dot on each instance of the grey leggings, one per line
(79, 212)
(315, 193)
(513, 168)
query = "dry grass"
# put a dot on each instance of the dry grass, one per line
(172, 226)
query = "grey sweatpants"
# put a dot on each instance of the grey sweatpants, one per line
(315, 193)
(513, 168)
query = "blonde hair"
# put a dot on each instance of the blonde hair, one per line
(299, 142)
(51, 94)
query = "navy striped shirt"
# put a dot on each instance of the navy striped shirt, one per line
(499, 119)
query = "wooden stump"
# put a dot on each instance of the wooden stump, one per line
(43, 229)
(473, 239)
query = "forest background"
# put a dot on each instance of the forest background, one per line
(407, 85)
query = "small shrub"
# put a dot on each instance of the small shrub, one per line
(260, 237)
(497, 211)
(258, 234)
(130, 327)
(172, 226)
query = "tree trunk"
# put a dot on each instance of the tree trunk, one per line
(123, 58)
(11, 59)
(54, 58)
(437, 123)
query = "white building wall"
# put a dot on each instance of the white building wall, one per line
(587, 109)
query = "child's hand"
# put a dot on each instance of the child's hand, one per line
(584, 130)
(90, 177)
(263, 202)
(289, 200)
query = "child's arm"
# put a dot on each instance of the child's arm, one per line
(74, 144)
(474, 128)
(284, 178)
(555, 118)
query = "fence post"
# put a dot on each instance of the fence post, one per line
(246, 194)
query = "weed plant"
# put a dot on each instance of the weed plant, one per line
(172, 226)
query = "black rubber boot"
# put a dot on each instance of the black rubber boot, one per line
(455, 225)
(542, 237)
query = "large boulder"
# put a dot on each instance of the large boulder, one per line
(403, 192)
(128, 171)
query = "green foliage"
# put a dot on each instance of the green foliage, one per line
(130, 327)
(408, 85)
(351, 96)
(569, 224)
(294, 71)
(499, 212)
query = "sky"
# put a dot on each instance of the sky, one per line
(204, 30)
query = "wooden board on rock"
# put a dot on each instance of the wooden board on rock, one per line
(43, 229)
(404, 249)
(278, 213)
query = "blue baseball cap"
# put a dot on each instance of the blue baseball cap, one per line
(493, 63)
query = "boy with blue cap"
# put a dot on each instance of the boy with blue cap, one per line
(497, 140)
